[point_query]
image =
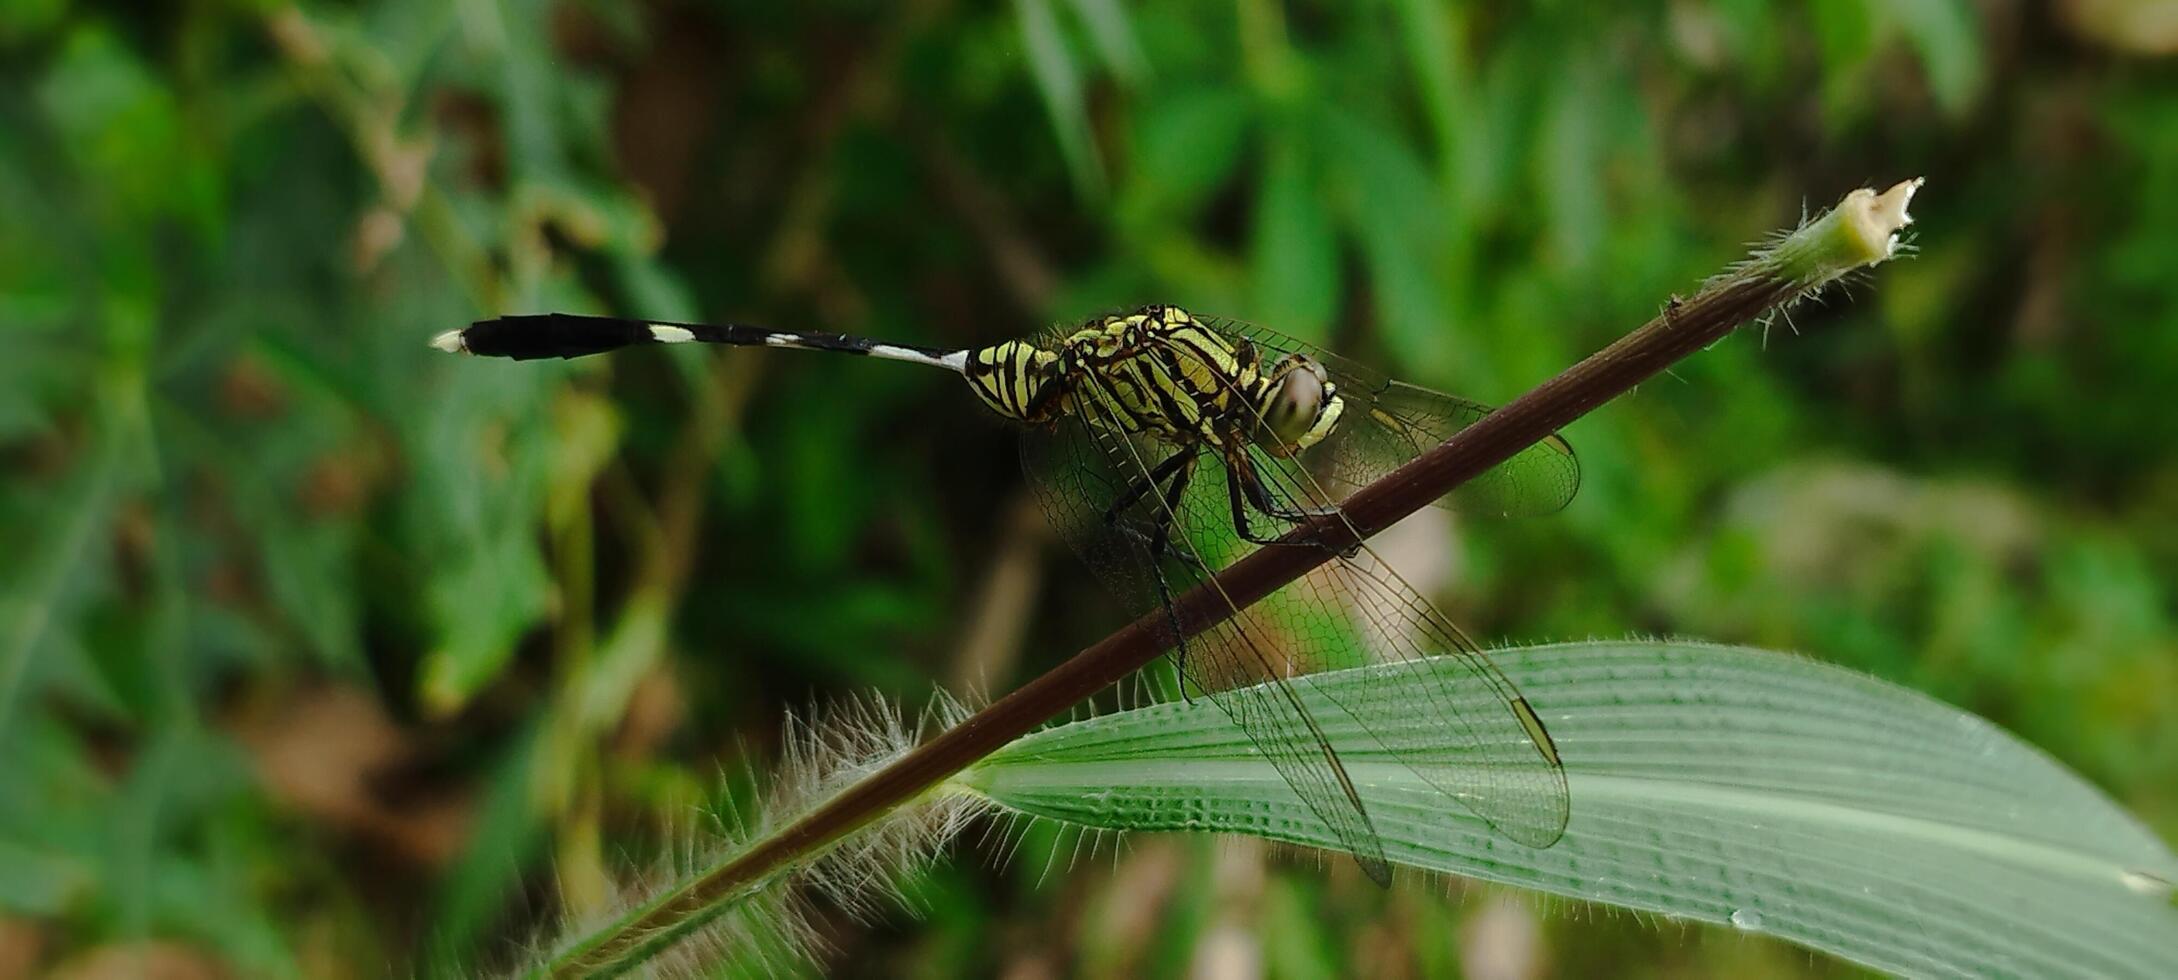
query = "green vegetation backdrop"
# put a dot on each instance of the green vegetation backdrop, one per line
(324, 654)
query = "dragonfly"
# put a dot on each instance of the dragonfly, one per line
(1163, 446)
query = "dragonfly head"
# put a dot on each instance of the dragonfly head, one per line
(1300, 407)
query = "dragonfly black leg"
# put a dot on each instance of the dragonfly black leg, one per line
(1244, 489)
(1158, 475)
(1161, 547)
(1238, 498)
(1148, 543)
(1141, 488)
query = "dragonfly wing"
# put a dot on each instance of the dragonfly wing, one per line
(1402, 421)
(1078, 470)
(1475, 738)
(1389, 422)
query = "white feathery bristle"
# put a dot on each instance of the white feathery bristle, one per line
(861, 875)
(451, 342)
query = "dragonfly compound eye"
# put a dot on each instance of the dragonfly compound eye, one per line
(1301, 407)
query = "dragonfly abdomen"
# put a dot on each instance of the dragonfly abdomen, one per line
(1014, 379)
(530, 336)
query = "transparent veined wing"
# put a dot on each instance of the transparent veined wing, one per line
(1389, 422)
(1079, 471)
(1481, 744)
(1116, 497)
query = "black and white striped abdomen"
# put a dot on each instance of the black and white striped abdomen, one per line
(529, 336)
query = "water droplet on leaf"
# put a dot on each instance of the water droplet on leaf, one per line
(2147, 884)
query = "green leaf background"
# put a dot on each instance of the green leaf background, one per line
(511, 618)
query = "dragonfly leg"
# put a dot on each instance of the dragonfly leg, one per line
(1158, 475)
(1141, 488)
(1244, 489)
(1260, 496)
(1149, 543)
(1160, 547)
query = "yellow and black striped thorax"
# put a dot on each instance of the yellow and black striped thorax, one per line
(1161, 372)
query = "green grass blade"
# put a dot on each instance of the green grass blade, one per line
(1727, 785)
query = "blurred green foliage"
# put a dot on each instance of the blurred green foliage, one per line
(324, 654)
